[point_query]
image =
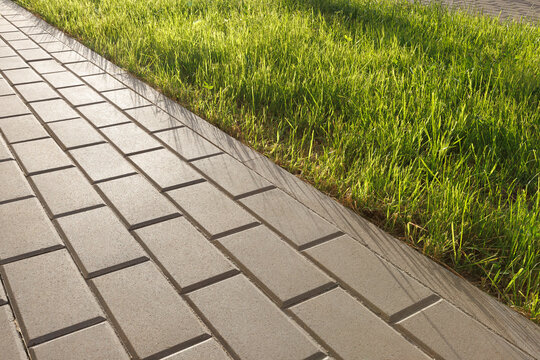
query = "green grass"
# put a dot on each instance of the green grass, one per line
(426, 121)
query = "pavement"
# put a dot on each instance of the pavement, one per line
(131, 228)
(517, 10)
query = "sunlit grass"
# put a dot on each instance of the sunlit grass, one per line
(425, 121)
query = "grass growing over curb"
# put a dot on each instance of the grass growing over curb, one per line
(423, 120)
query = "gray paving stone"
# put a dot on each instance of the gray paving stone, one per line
(12, 62)
(98, 342)
(351, 330)
(42, 38)
(32, 30)
(5, 88)
(3, 296)
(22, 128)
(5, 154)
(11, 105)
(151, 315)
(22, 76)
(450, 334)
(50, 297)
(187, 143)
(103, 114)
(55, 46)
(68, 57)
(250, 323)
(188, 258)
(369, 276)
(217, 214)
(84, 68)
(166, 169)
(100, 242)
(102, 162)
(37, 92)
(285, 274)
(62, 79)
(10, 342)
(126, 98)
(6, 51)
(290, 218)
(41, 155)
(15, 35)
(103, 82)
(130, 138)
(7, 28)
(54, 110)
(34, 54)
(154, 119)
(65, 192)
(23, 44)
(75, 133)
(81, 95)
(14, 185)
(47, 66)
(25, 230)
(207, 350)
(138, 202)
(233, 176)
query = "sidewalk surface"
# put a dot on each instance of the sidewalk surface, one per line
(528, 10)
(131, 228)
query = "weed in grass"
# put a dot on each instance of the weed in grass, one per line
(425, 120)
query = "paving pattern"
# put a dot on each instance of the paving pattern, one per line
(131, 228)
(519, 10)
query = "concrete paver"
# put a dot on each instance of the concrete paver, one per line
(47, 66)
(10, 342)
(50, 297)
(84, 68)
(11, 105)
(137, 202)
(102, 162)
(62, 79)
(37, 92)
(54, 46)
(12, 62)
(22, 76)
(100, 242)
(187, 143)
(25, 230)
(54, 110)
(3, 296)
(189, 260)
(75, 133)
(98, 342)
(81, 95)
(207, 350)
(126, 98)
(40, 156)
(212, 210)
(65, 192)
(34, 54)
(286, 275)
(103, 114)
(150, 314)
(14, 185)
(68, 57)
(130, 138)
(22, 128)
(5, 154)
(103, 82)
(349, 328)
(153, 119)
(5, 88)
(250, 323)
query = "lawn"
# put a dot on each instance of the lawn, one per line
(423, 120)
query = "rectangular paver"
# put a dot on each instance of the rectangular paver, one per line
(103, 114)
(47, 66)
(10, 343)
(34, 54)
(138, 202)
(5, 88)
(100, 241)
(54, 110)
(37, 92)
(13, 183)
(11, 105)
(84, 68)
(81, 95)
(450, 334)
(187, 143)
(166, 169)
(43, 38)
(250, 323)
(22, 128)
(289, 217)
(97, 342)
(6, 51)
(154, 119)
(351, 330)
(207, 350)
(68, 57)
(54, 46)
(62, 79)
(126, 98)
(5, 154)
(130, 138)
(283, 272)
(75, 133)
(217, 214)
(369, 276)
(22, 76)
(50, 297)
(25, 230)
(102, 162)
(233, 176)
(23, 44)
(12, 62)
(66, 191)
(186, 255)
(103, 82)
(149, 312)
(42, 155)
